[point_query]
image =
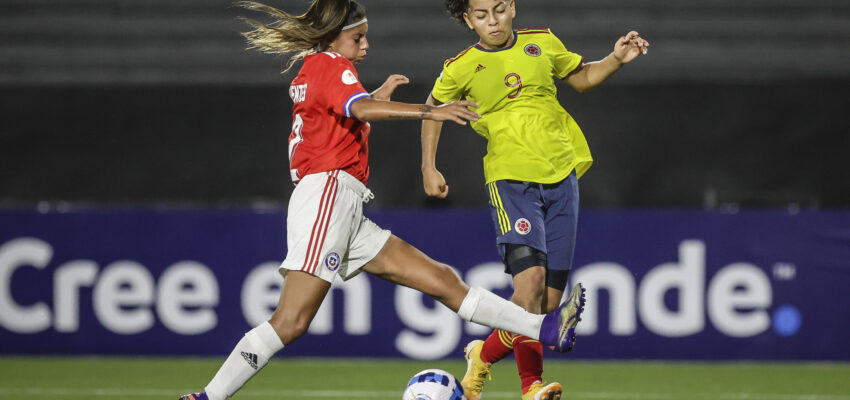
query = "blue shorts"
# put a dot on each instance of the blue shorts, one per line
(542, 216)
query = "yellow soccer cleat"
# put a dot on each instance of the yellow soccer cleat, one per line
(476, 371)
(543, 391)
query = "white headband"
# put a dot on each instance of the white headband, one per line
(358, 23)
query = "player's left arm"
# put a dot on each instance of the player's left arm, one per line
(432, 179)
(592, 74)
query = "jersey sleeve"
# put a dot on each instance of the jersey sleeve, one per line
(564, 61)
(344, 87)
(446, 88)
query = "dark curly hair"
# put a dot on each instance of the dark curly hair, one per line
(456, 8)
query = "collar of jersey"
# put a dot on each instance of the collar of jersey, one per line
(478, 45)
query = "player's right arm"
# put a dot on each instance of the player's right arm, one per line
(368, 109)
(432, 179)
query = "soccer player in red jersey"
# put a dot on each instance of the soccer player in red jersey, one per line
(327, 233)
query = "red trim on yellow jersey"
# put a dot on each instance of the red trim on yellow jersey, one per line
(578, 68)
(457, 57)
(530, 30)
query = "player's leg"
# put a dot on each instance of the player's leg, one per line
(529, 354)
(573, 306)
(518, 214)
(562, 200)
(530, 284)
(556, 284)
(527, 265)
(561, 223)
(529, 292)
(403, 264)
(300, 298)
(318, 222)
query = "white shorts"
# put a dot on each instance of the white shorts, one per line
(326, 232)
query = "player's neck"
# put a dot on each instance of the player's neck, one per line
(504, 45)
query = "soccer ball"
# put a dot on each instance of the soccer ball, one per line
(433, 384)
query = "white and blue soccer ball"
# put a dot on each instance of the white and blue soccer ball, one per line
(433, 384)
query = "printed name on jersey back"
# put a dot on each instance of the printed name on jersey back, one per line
(298, 93)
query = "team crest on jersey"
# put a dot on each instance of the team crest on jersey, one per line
(533, 50)
(332, 261)
(522, 226)
(348, 77)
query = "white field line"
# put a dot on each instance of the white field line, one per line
(362, 394)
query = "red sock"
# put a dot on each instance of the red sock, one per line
(529, 360)
(497, 346)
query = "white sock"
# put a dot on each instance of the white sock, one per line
(486, 308)
(250, 355)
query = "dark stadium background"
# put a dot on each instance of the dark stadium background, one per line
(738, 104)
(138, 139)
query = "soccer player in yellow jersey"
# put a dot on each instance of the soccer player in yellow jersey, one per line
(535, 154)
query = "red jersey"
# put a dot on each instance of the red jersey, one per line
(325, 136)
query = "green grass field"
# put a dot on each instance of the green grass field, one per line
(51, 378)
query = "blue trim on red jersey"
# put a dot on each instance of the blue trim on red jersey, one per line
(354, 97)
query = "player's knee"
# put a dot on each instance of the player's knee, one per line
(530, 289)
(447, 282)
(531, 299)
(449, 277)
(448, 288)
(531, 280)
(534, 278)
(289, 327)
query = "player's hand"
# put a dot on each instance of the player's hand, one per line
(457, 111)
(386, 90)
(435, 183)
(629, 47)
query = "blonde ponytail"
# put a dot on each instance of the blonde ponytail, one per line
(304, 34)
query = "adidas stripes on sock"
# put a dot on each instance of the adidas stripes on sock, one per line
(250, 355)
(497, 346)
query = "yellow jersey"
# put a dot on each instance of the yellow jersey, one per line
(530, 137)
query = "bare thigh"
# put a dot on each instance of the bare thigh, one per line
(300, 298)
(403, 264)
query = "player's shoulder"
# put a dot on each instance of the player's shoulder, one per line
(460, 57)
(326, 62)
(540, 37)
(327, 66)
(327, 59)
